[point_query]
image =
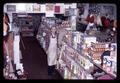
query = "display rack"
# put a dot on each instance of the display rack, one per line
(73, 55)
(72, 64)
(44, 30)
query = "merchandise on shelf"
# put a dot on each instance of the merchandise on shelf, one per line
(97, 50)
(76, 36)
(44, 29)
(67, 37)
(82, 55)
(42, 33)
(109, 61)
(89, 39)
(70, 52)
(72, 62)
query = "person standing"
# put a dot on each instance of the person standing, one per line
(52, 51)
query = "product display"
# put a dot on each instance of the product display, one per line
(76, 60)
(85, 45)
(109, 62)
(44, 30)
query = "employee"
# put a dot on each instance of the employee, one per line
(52, 51)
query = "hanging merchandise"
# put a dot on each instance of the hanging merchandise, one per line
(29, 7)
(69, 11)
(67, 38)
(49, 10)
(57, 9)
(42, 8)
(73, 22)
(99, 22)
(36, 8)
(49, 7)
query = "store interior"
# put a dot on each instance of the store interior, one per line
(86, 41)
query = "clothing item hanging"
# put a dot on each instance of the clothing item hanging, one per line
(99, 21)
(57, 9)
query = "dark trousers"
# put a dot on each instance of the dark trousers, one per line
(51, 69)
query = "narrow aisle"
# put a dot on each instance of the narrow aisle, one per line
(34, 59)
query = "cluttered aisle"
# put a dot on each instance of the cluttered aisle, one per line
(35, 59)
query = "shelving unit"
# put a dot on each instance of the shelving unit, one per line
(83, 62)
(76, 64)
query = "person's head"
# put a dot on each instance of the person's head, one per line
(53, 30)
